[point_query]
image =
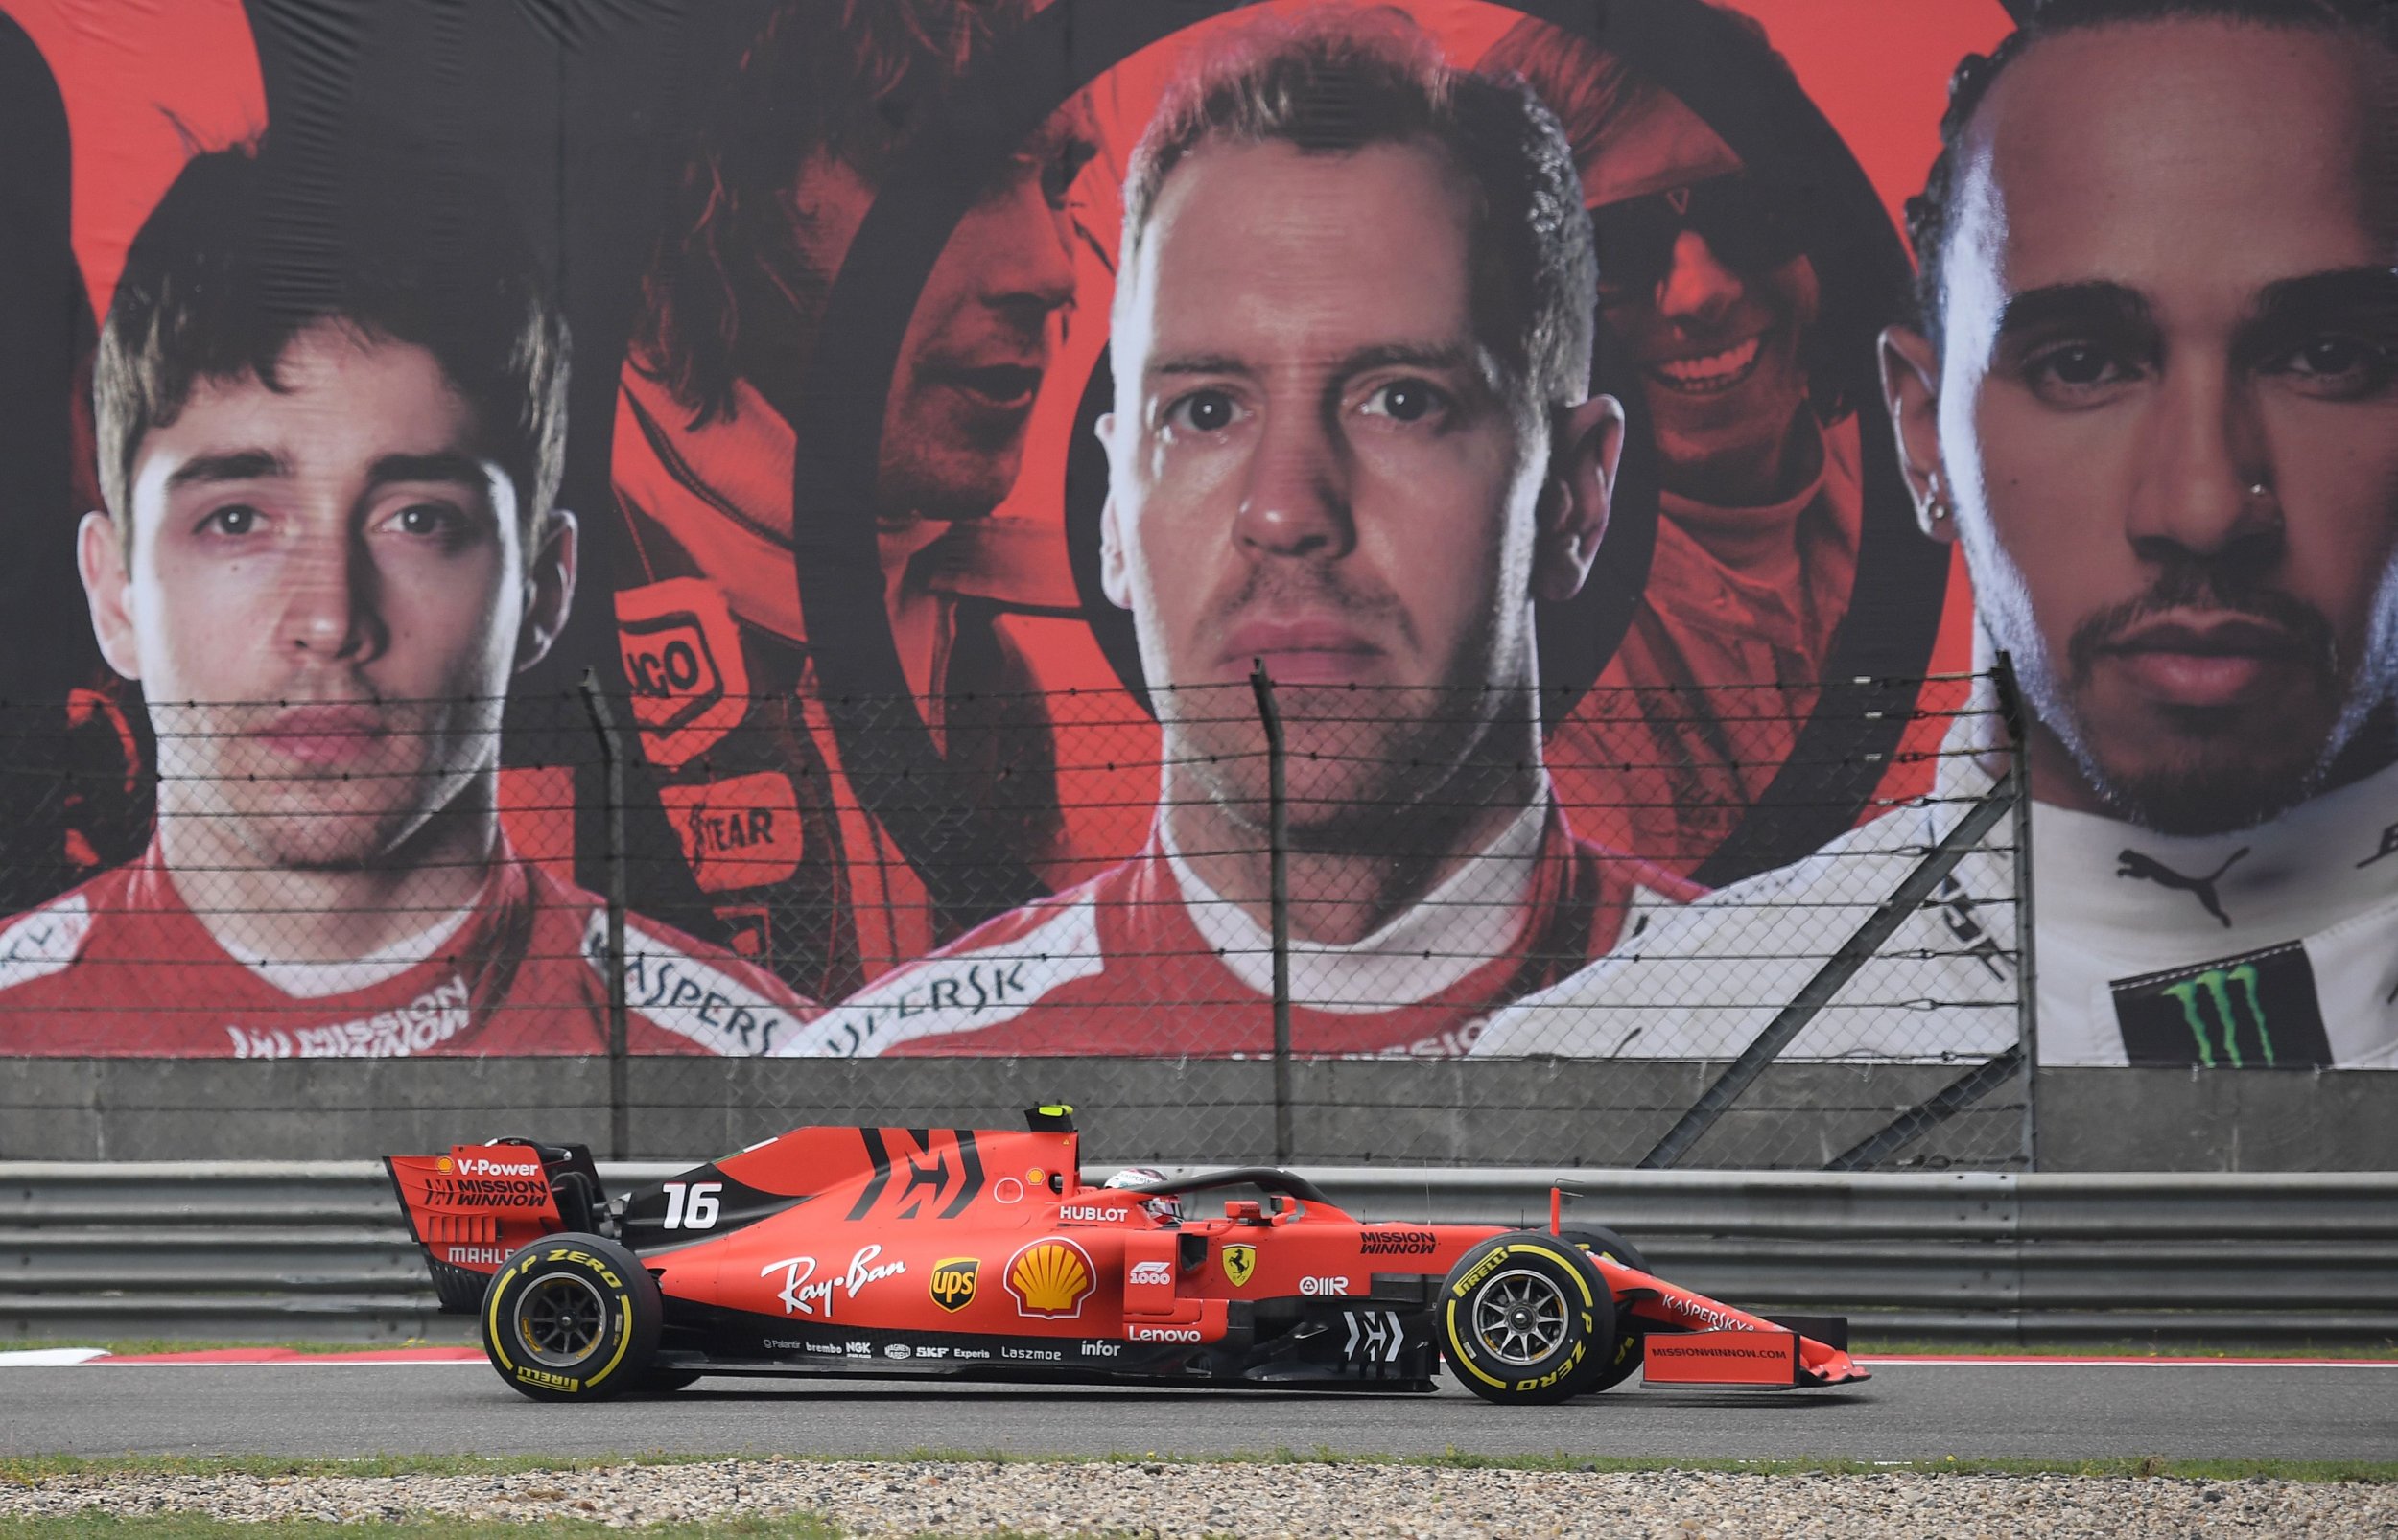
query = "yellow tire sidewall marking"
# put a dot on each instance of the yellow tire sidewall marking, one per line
(624, 1312)
(623, 1339)
(1574, 1273)
(499, 1288)
(1449, 1324)
(1450, 1315)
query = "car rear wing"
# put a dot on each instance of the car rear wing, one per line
(473, 1207)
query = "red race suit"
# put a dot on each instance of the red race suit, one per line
(122, 966)
(730, 707)
(1131, 962)
(1703, 702)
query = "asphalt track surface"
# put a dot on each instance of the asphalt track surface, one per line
(1910, 1411)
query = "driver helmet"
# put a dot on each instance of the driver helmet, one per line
(1166, 1206)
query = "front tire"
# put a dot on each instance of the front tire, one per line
(1617, 1362)
(571, 1318)
(1525, 1319)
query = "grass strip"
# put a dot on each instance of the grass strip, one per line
(28, 1469)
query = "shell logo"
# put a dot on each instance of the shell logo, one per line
(1050, 1277)
(442, 1165)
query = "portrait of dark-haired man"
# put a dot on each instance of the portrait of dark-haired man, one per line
(60, 805)
(806, 112)
(1712, 294)
(330, 439)
(2151, 393)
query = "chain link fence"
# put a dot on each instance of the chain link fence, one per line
(1734, 925)
(299, 878)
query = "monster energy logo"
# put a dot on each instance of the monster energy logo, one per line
(2217, 989)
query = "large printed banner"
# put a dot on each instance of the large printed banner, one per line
(891, 488)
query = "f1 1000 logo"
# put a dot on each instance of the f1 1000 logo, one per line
(2257, 1010)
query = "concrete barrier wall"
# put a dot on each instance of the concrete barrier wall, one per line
(1544, 1112)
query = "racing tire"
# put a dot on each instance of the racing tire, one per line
(460, 1289)
(1525, 1320)
(571, 1318)
(1619, 1362)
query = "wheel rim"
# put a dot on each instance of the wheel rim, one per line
(1520, 1317)
(559, 1319)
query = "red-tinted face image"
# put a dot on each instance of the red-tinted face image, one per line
(982, 338)
(338, 574)
(1701, 282)
(979, 340)
(2167, 408)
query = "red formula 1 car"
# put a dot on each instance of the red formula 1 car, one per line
(969, 1252)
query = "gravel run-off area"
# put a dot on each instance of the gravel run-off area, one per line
(893, 1497)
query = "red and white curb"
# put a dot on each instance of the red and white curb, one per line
(53, 1357)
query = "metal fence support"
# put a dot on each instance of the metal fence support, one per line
(2027, 975)
(1951, 1099)
(1818, 991)
(1278, 863)
(620, 1055)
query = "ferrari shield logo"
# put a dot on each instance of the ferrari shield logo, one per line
(1239, 1263)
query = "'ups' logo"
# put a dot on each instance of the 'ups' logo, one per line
(954, 1282)
(1240, 1264)
(683, 657)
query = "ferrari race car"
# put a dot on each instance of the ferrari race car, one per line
(979, 1253)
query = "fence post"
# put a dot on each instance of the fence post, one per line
(2027, 975)
(1277, 853)
(620, 1055)
(1828, 980)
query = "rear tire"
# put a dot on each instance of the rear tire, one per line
(1524, 1319)
(571, 1318)
(1617, 1362)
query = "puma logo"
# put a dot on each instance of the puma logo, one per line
(2148, 868)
